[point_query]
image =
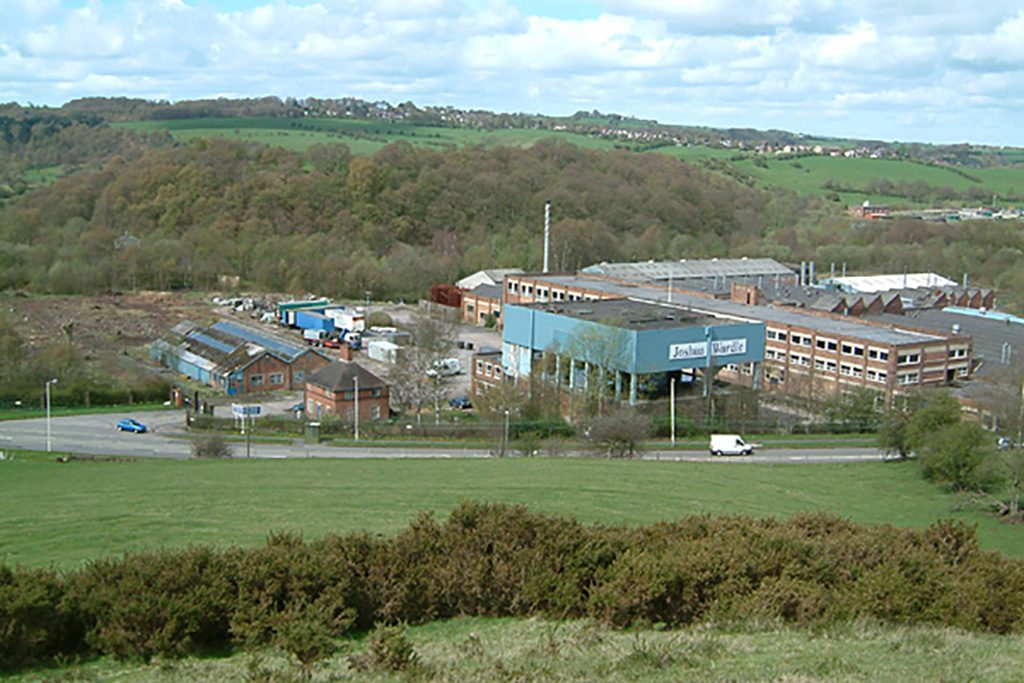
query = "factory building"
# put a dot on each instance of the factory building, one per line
(806, 353)
(624, 341)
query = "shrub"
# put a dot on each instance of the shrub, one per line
(618, 433)
(289, 581)
(166, 603)
(211, 447)
(388, 649)
(34, 624)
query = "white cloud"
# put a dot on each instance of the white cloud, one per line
(915, 69)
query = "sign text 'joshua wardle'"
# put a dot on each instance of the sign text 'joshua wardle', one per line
(722, 347)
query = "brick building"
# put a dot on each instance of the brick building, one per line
(486, 372)
(332, 391)
(481, 303)
(807, 353)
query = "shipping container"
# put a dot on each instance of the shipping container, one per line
(310, 320)
(383, 351)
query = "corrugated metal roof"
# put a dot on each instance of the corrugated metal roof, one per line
(684, 269)
(288, 350)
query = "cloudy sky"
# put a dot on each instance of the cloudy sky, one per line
(929, 70)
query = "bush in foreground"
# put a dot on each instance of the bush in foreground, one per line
(495, 560)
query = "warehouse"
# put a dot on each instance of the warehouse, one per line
(805, 354)
(624, 339)
(237, 358)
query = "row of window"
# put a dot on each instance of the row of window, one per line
(824, 344)
(485, 369)
(274, 379)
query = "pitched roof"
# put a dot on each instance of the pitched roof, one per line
(339, 377)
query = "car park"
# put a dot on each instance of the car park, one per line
(129, 424)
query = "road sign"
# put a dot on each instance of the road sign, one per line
(240, 410)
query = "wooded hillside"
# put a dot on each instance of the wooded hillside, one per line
(393, 223)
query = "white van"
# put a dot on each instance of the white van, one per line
(730, 444)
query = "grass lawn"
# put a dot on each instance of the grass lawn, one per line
(482, 649)
(64, 514)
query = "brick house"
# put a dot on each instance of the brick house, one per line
(480, 302)
(331, 391)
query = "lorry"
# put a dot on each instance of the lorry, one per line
(350, 319)
(730, 444)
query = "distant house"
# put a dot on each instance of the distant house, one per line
(332, 391)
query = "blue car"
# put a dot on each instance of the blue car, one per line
(131, 425)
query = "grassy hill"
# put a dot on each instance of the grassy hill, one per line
(805, 175)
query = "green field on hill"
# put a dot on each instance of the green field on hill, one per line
(806, 175)
(65, 514)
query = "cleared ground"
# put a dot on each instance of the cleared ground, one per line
(65, 514)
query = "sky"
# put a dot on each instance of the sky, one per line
(908, 70)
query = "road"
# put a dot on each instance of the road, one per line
(98, 435)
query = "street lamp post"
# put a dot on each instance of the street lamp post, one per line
(355, 395)
(48, 440)
(366, 312)
(504, 441)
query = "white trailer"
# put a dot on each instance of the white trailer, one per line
(346, 318)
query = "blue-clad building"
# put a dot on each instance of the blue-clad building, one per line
(626, 338)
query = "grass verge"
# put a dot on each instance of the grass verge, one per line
(487, 649)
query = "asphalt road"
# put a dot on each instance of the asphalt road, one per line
(98, 435)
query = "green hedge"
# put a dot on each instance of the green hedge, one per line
(812, 570)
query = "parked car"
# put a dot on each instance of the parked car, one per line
(129, 424)
(460, 403)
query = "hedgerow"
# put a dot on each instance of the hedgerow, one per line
(812, 570)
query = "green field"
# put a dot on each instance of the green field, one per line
(64, 514)
(482, 649)
(362, 137)
(806, 175)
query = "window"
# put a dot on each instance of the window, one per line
(747, 368)
(878, 354)
(907, 378)
(299, 375)
(479, 367)
(376, 392)
(797, 359)
(852, 349)
(512, 286)
(775, 335)
(732, 367)
(958, 353)
(826, 344)
(277, 378)
(826, 365)
(850, 370)
(256, 381)
(487, 370)
(375, 413)
(470, 307)
(963, 372)
(909, 358)
(349, 395)
(801, 339)
(876, 375)
(528, 289)
(309, 406)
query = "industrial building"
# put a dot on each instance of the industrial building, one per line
(237, 358)
(625, 340)
(806, 353)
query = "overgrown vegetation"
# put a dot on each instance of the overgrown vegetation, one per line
(814, 570)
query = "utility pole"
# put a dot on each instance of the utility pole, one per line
(504, 440)
(672, 408)
(48, 383)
